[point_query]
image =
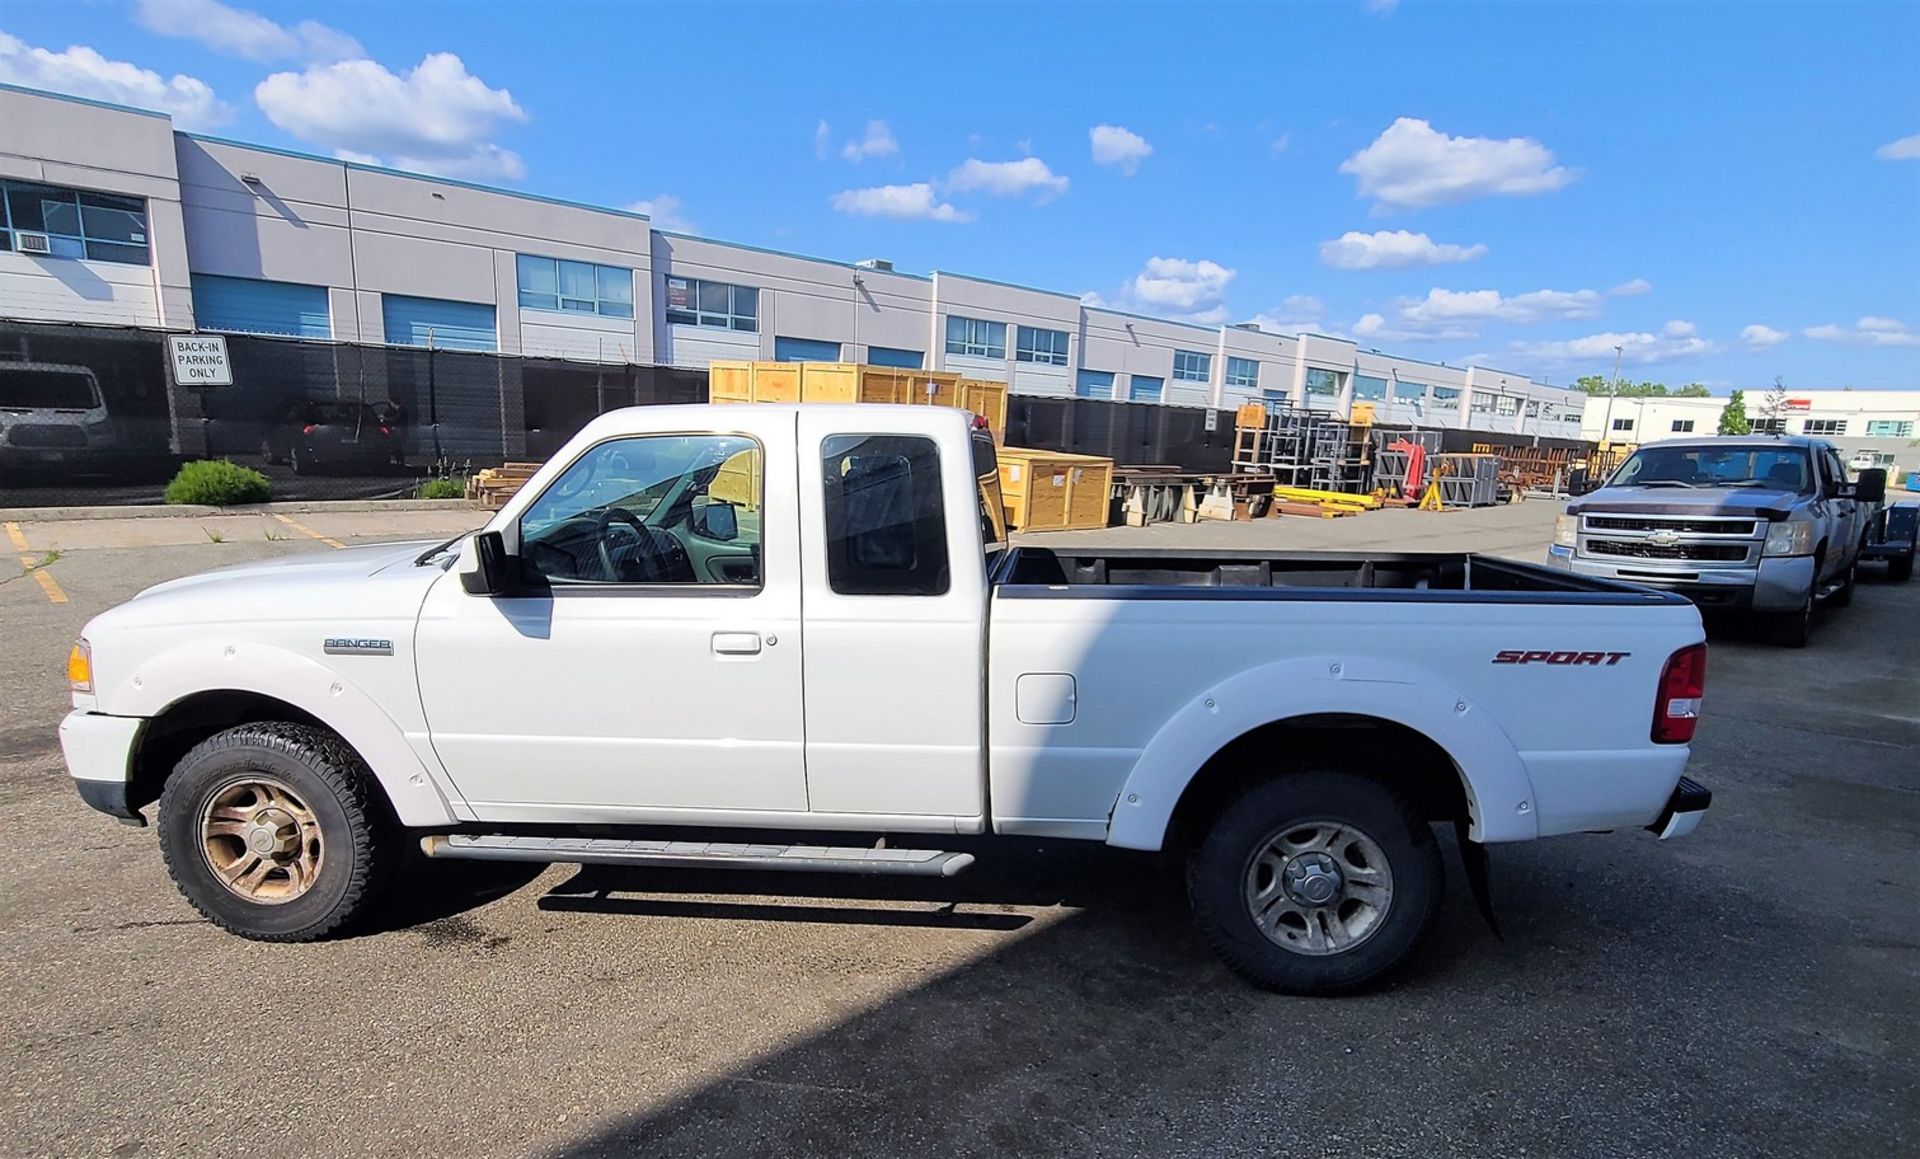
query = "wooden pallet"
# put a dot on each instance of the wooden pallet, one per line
(493, 486)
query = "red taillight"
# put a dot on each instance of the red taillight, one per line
(1682, 683)
(979, 422)
(307, 430)
(386, 430)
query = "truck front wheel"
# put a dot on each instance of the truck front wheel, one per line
(1316, 883)
(273, 832)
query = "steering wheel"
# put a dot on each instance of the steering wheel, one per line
(602, 524)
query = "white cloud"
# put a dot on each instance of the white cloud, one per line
(666, 212)
(1411, 165)
(822, 140)
(1868, 331)
(82, 72)
(1179, 284)
(249, 35)
(1280, 143)
(1006, 178)
(1295, 313)
(435, 118)
(1632, 288)
(1458, 315)
(879, 142)
(1677, 339)
(1759, 337)
(1392, 250)
(1905, 149)
(1380, 7)
(916, 201)
(1113, 145)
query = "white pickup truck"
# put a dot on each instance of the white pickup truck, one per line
(768, 638)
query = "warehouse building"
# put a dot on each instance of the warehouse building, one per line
(113, 218)
(1870, 427)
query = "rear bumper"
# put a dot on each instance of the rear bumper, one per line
(1777, 584)
(1684, 810)
(99, 755)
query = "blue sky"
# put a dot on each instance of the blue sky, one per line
(1728, 191)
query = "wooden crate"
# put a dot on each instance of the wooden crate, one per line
(1054, 490)
(733, 381)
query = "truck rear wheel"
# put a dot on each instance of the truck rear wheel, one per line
(273, 832)
(1900, 568)
(1316, 883)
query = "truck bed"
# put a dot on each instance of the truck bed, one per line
(1163, 573)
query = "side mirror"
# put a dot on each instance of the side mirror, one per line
(494, 567)
(1871, 487)
(715, 519)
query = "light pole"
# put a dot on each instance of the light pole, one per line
(1613, 390)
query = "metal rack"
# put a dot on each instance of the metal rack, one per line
(1301, 448)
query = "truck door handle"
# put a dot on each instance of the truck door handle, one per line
(736, 643)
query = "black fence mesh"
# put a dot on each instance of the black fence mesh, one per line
(89, 414)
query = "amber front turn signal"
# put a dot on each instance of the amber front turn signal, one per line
(80, 667)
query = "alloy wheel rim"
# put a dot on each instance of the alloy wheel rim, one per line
(261, 841)
(1318, 888)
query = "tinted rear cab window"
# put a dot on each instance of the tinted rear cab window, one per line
(885, 518)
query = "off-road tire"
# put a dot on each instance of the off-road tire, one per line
(360, 841)
(1219, 865)
(1900, 569)
(1792, 629)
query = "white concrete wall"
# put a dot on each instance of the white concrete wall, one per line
(1653, 418)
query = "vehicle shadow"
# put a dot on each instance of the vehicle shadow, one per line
(1109, 1027)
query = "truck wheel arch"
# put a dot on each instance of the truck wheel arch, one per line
(1203, 751)
(190, 693)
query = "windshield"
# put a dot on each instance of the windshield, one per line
(634, 475)
(1778, 468)
(40, 389)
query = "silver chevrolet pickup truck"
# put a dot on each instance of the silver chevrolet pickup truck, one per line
(1765, 524)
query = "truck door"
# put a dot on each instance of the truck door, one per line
(654, 666)
(895, 592)
(1844, 539)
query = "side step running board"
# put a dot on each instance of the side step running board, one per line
(698, 855)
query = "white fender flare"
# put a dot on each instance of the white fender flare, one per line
(1499, 792)
(263, 669)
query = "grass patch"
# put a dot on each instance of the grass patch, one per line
(443, 489)
(218, 483)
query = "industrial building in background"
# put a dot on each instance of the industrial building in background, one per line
(117, 219)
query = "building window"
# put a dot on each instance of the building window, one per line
(692, 302)
(1367, 388)
(1243, 372)
(1890, 428)
(1325, 381)
(1192, 366)
(1507, 406)
(575, 287)
(1769, 426)
(1824, 427)
(1481, 403)
(1093, 384)
(1445, 398)
(804, 350)
(1622, 424)
(1142, 388)
(1682, 426)
(67, 223)
(1533, 408)
(900, 359)
(886, 527)
(973, 337)
(1031, 345)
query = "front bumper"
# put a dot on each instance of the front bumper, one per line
(1684, 810)
(99, 755)
(1779, 583)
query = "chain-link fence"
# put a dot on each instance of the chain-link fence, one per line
(89, 414)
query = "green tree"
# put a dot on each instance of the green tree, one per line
(1733, 419)
(1692, 390)
(1592, 384)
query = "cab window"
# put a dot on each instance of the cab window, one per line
(654, 509)
(886, 528)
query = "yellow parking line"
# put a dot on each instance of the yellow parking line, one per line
(32, 566)
(308, 531)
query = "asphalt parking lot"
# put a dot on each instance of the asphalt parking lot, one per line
(1748, 991)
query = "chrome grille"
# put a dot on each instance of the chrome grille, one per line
(1641, 549)
(1692, 526)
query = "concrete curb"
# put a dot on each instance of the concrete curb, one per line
(201, 511)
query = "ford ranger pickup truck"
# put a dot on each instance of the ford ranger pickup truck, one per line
(786, 638)
(1762, 524)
